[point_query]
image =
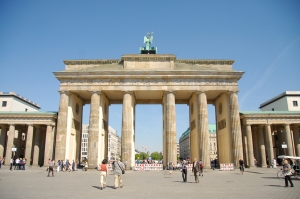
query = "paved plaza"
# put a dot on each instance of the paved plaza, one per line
(254, 183)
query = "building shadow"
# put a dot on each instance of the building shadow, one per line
(271, 185)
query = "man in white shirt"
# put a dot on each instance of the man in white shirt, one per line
(17, 162)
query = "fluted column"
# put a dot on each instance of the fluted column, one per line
(270, 152)
(36, 149)
(2, 140)
(203, 129)
(288, 138)
(171, 127)
(128, 129)
(255, 144)
(296, 139)
(29, 137)
(10, 141)
(236, 135)
(49, 144)
(262, 148)
(62, 121)
(250, 146)
(93, 139)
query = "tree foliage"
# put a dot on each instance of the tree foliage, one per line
(156, 156)
(143, 156)
(137, 156)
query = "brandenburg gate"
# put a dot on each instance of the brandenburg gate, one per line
(148, 79)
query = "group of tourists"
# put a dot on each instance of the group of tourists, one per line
(118, 169)
(16, 163)
(66, 165)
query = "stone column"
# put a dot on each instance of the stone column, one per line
(62, 120)
(36, 149)
(287, 132)
(203, 130)
(29, 136)
(236, 135)
(255, 144)
(250, 146)
(49, 144)
(270, 152)
(128, 129)
(171, 127)
(296, 139)
(280, 140)
(10, 142)
(2, 140)
(262, 148)
(93, 137)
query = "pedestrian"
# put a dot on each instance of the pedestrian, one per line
(241, 163)
(48, 164)
(184, 170)
(73, 165)
(11, 163)
(17, 161)
(51, 167)
(1, 162)
(170, 166)
(86, 166)
(118, 168)
(196, 169)
(274, 164)
(58, 166)
(201, 168)
(287, 173)
(103, 173)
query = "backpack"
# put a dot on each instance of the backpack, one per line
(201, 165)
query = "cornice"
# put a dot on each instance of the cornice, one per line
(92, 62)
(206, 62)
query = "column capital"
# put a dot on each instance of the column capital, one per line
(30, 124)
(267, 124)
(94, 91)
(127, 92)
(200, 92)
(248, 125)
(64, 92)
(170, 91)
(287, 124)
(12, 124)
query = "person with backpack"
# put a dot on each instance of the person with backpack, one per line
(201, 168)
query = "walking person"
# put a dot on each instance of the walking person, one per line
(170, 166)
(118, 168)
(196, 169)
(103, 173)
(73, 165)
(201, 168)
(274, 164)
(11, 163)
(58, 166)
(184, 170)
(241, 163)
(50, 168)
(287, 173)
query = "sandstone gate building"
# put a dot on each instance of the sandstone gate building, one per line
(148, 79)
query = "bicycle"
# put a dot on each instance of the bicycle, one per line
(295, 174)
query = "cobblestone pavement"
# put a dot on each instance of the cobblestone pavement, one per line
(254, 183)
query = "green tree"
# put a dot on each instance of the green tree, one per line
(137, 156)
(143, 156)
(156, 156)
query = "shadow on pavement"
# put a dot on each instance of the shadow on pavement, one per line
(182, 181)
(273, 178)
(271, 185)
(96, 187)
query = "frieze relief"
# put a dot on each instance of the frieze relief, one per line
(137, 81)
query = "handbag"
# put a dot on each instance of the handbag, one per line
(123, 171)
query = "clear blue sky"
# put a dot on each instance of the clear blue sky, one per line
(263, 37)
